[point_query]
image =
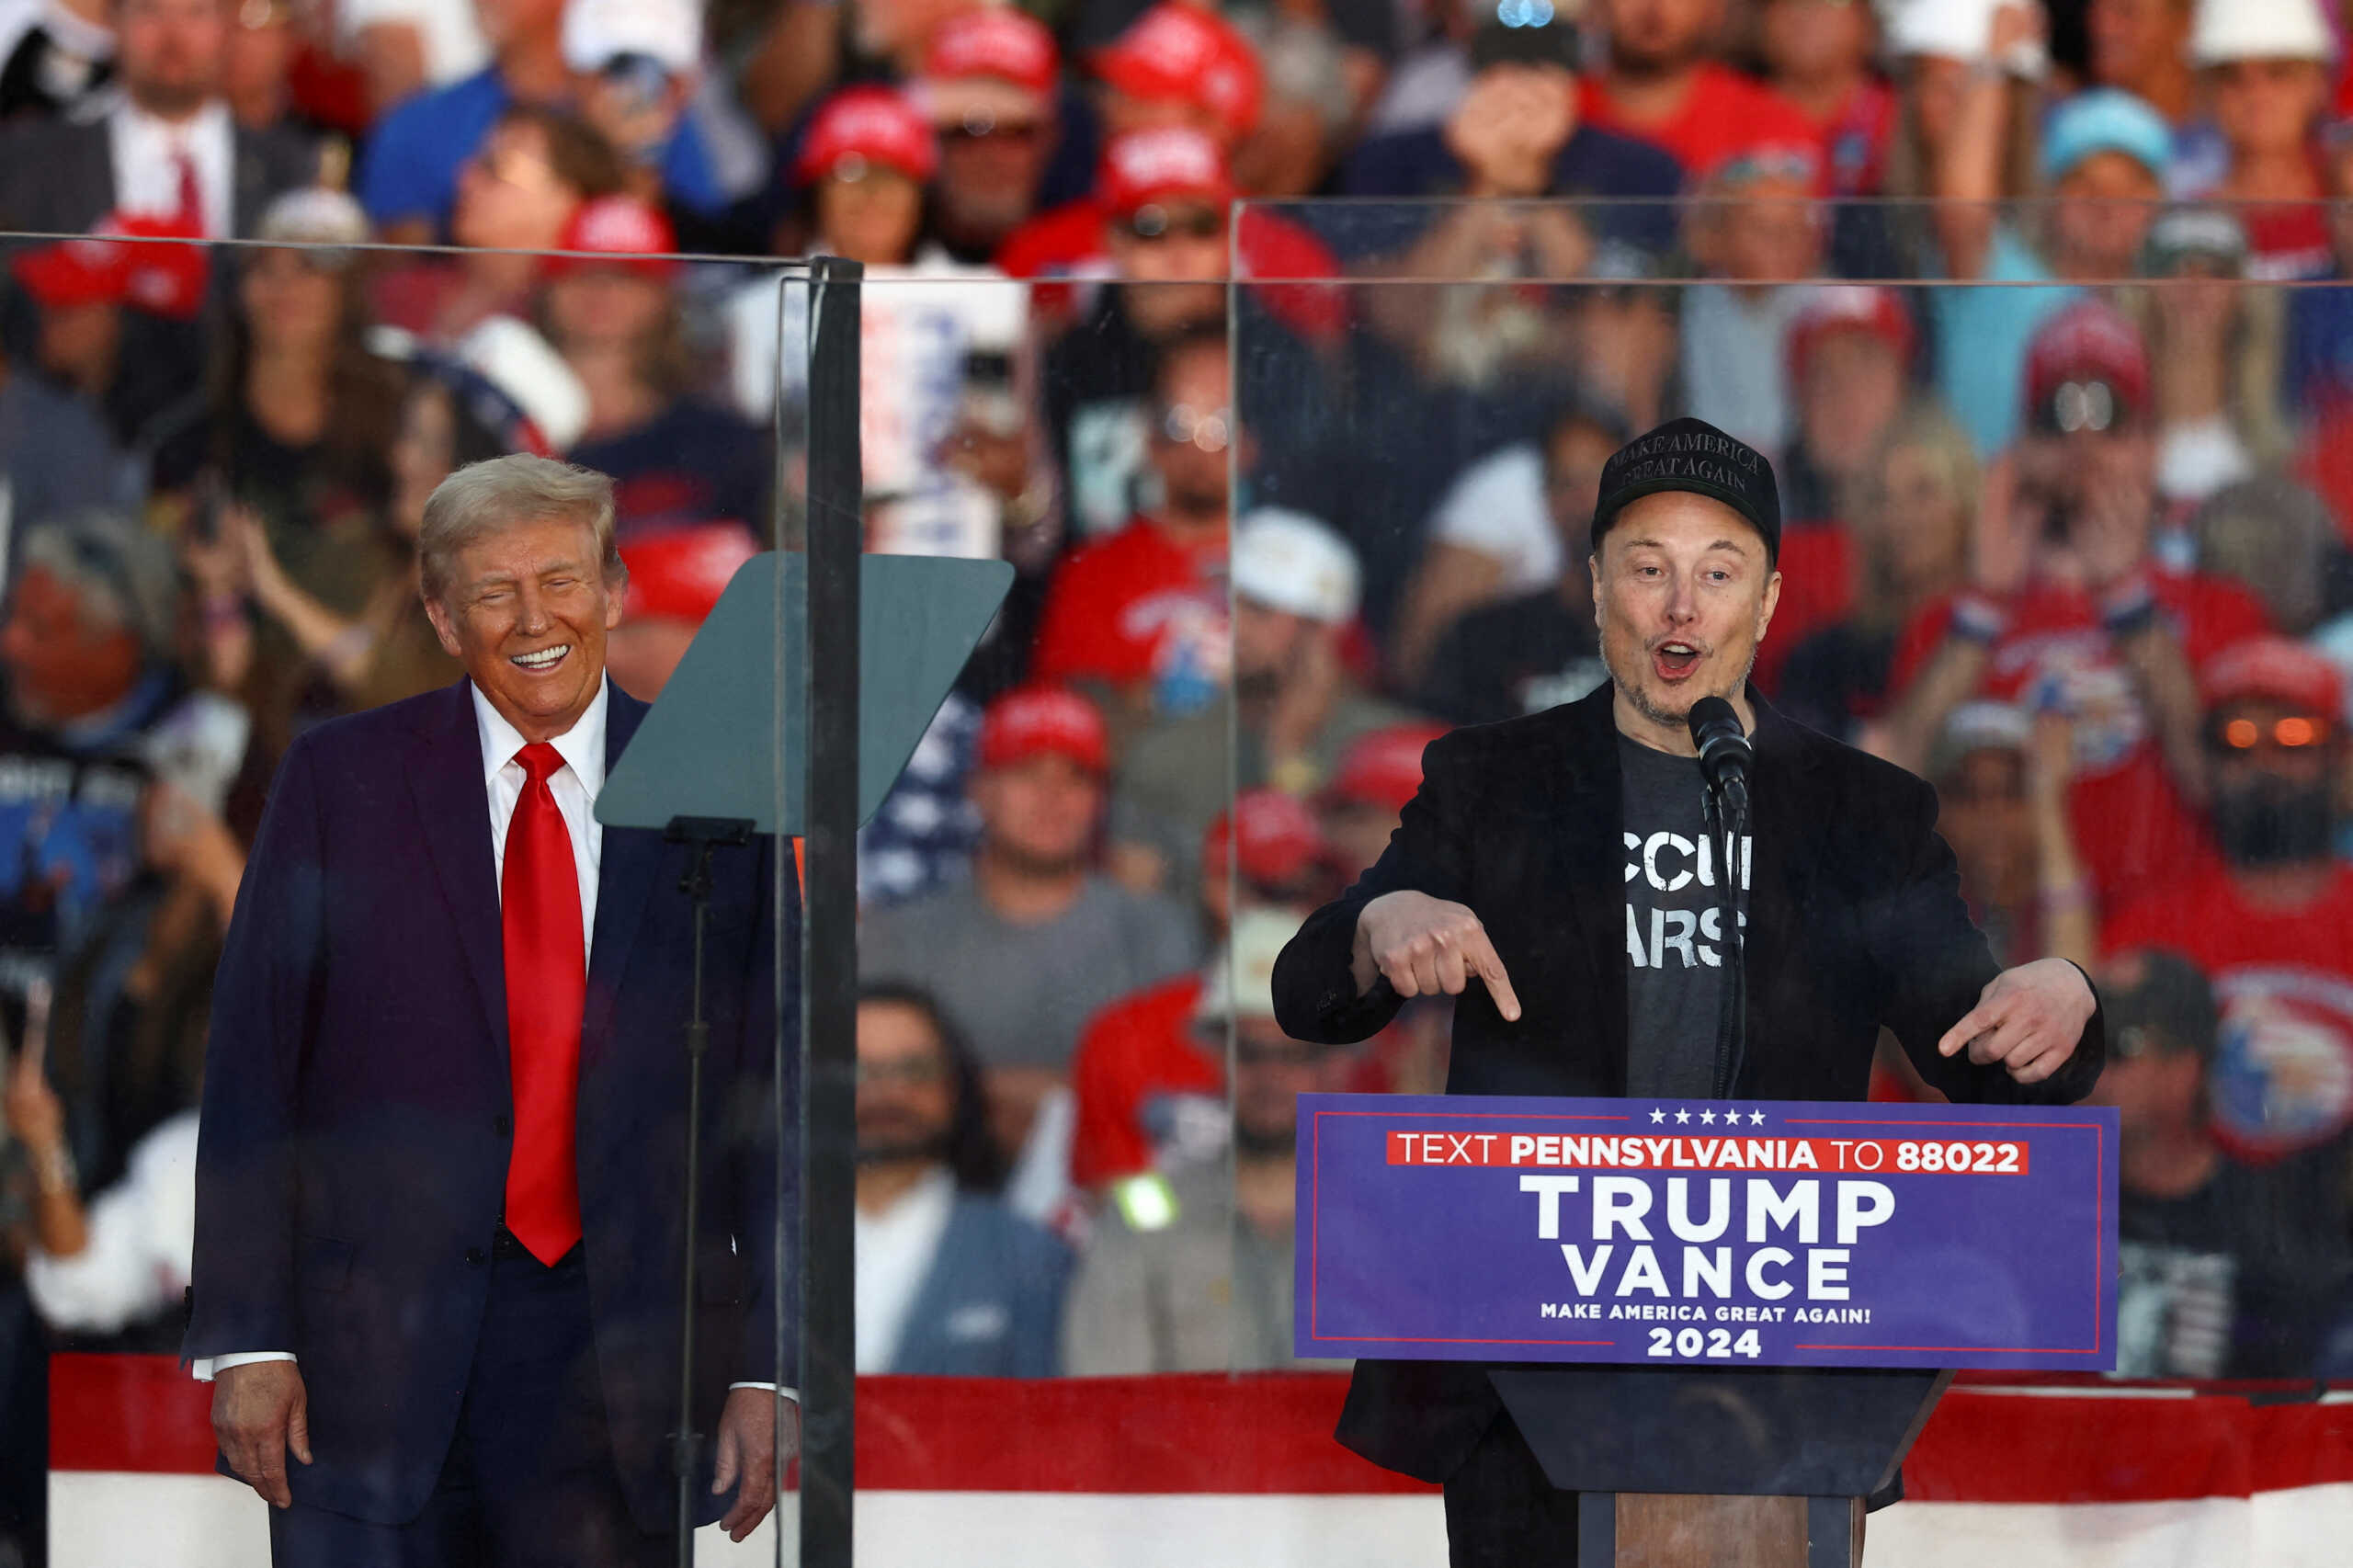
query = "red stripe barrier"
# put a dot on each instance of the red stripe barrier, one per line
(1272, 1432)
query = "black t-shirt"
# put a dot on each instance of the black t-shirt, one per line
(1675, 972)
(1521, 655)
(2237, 1279)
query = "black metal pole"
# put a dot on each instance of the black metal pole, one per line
(705, 834)
(828, 668)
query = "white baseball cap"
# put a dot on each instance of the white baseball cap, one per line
(597, 32)
(520, 363)
(2226, 30)
(1950, 29)
(1242, 985)
(1288, 561)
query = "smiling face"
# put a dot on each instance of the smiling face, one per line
(1684, 592)
(525, 609)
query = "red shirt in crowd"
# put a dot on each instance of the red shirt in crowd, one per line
(1120, 609)
(1818, 567)
(1068, 243)
(2136, 831)
(1725, 113)
(2283, 1075)
(1133, 1062)
(1855, 138)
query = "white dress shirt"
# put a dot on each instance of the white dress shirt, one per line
(894, 1253)
(574, 786)
(146, 153)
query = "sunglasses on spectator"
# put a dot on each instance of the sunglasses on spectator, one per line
(2238, 737)
(1154, 222)
(2077, 406)
(2136, 1040)
(915, 1072)
(1184, 425)
(983, 128)
(515, 166)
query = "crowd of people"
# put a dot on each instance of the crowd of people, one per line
(1278, 348)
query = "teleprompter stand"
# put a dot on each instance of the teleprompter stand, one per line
(1711, 1468)
(755, 736)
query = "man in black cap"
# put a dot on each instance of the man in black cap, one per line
(1567, 848)
(2225, 1270)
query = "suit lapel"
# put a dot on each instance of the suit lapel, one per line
(445, 779)
(625, 878)
(1586, 840)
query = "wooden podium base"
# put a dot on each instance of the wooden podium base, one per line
(1649, 1529)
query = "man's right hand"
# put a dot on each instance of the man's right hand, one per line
(261, 1413)
(1425, 945)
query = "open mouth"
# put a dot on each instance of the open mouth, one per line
(1674, 659)
(543, 660)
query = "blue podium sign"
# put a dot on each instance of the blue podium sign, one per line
(1661, 1232)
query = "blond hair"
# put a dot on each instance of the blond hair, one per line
(484, 498)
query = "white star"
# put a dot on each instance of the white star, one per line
(1708, 1117)
(1757, 1118)
(1681, 1117)
(1658, 1115)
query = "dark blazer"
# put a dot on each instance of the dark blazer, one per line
(1855, 921)
(991, 1304)
(352, 1163)
(57, 175)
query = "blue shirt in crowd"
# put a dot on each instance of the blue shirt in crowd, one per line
(410, 169)
(1983, 334)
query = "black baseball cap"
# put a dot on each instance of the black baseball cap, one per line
(1692, 455)
(2156, 999)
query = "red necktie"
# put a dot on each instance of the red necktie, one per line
(190, 218)
(547, 982)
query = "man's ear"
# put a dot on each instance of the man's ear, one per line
(444, 628)
(1772, 601)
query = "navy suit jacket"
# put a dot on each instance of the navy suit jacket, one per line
(351, 1164)
(991, 1304)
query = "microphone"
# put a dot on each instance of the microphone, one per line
(1725, 750)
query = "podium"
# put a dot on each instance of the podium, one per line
(1719, 1324)
(1700, 1468)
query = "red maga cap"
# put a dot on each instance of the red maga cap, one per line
(998, 42)
(1848, 307)
(1039, 721)
(876, 124)
(2090, 341)
(1168, 162)
(2277, 669)
(633, 232)
(678, 574)
(74, 272)
(1384, 767)
(1190, 54)
(1278, 842)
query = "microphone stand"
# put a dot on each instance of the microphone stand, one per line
(1727, 820)
(705, 834)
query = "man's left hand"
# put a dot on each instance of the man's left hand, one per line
(751, 1436)
(2029, 1019)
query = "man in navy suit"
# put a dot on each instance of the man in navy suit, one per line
(440, 1176)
